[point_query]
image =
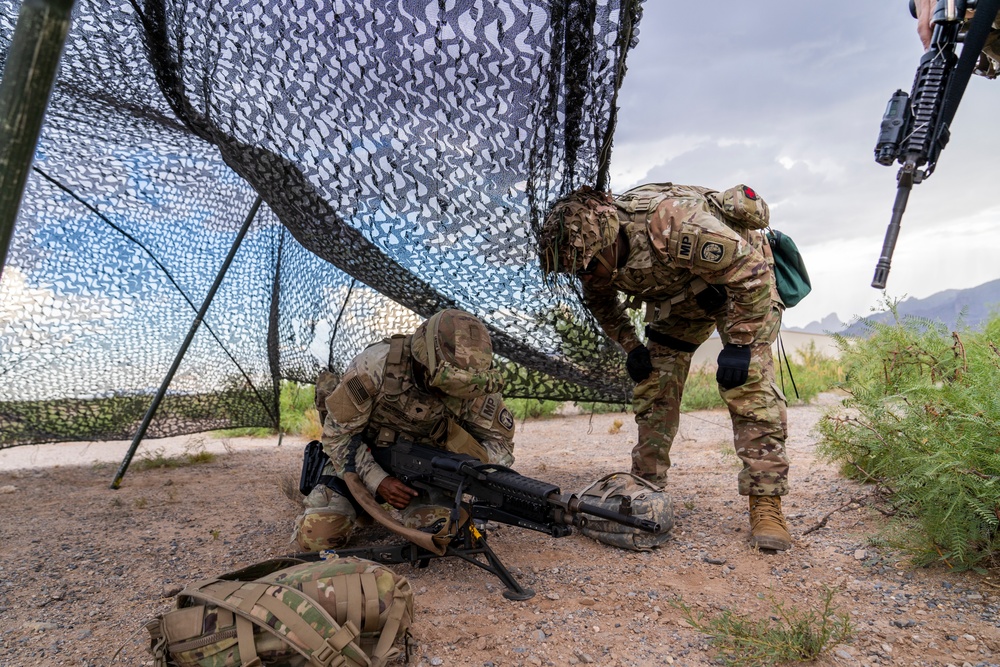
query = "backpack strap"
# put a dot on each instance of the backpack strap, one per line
(322, 647)
(397, 610)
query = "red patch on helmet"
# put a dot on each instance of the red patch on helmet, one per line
(749, 193)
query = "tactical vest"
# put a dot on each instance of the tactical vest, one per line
(396, 407)
(397, 410)
(635, 209)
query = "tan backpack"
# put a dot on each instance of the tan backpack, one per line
(343, 612)
(625, 492)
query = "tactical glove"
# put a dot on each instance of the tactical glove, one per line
(639, 365)
(734, 366)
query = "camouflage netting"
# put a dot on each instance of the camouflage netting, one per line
(404, 152)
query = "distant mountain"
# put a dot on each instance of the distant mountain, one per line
(829, 324)
(978, 303)
(946, 307)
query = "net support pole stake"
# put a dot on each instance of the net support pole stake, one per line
(184, 347)
(32, 63)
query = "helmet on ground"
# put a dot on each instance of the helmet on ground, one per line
(455, 348)
(577, 228)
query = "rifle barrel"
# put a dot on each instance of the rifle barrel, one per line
(892, 231)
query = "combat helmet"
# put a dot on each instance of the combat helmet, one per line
(455, 348)
(577, 228)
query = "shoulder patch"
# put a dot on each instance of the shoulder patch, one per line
(715, 251)
(490, 405)
(349, 399)
(686, 242)
(506, 419)
(357, 389)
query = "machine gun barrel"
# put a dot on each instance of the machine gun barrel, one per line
(498, 492)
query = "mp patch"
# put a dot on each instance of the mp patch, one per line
(506, 419)
(685, 245)
(490, 405)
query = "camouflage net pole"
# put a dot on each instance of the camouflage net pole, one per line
(184, 346)
(24, 95)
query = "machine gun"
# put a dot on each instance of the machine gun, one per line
(916, 127)
(495, 493)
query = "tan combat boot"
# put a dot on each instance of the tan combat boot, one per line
(767, 524)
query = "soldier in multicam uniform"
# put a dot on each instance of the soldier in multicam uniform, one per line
(673, 249)
(435, 387)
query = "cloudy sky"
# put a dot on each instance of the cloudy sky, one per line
(787, 97)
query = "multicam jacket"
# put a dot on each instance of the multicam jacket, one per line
(677, 238)
(378, 398)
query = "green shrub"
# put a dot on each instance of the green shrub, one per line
(921, 424)
(602, 408)
(781, 636)
(157, 458)
(298, 415)
(701, 391)
(526, 408)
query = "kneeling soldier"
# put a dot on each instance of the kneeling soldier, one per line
(435, 387)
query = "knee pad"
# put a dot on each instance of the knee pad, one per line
(327, 523)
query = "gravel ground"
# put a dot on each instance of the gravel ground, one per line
(82, 567)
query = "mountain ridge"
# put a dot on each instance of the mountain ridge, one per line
(971, 306)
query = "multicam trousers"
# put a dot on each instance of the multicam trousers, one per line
(757, 408)
(329, 518)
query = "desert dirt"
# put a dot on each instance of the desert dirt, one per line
(82, 567)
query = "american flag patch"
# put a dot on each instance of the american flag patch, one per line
(357, 390)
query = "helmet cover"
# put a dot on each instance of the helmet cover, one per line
(455, 348)
(577, 228)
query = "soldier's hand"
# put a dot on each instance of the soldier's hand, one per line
(396, 493)
(639, 365)
(734, 366)
(922, 11)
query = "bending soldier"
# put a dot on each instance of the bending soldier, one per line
(435, 387)
(673, 249)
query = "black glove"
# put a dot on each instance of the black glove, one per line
(734, 366)
(639, 365)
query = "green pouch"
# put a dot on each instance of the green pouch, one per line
(789, 269)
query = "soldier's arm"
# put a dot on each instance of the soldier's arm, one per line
(748, 280)
(610, 313)
(349, 408)
(488, 420)
(720, 256)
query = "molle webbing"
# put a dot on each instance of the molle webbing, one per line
(639, 202)
(396, 363)
(397, 369)
(659, 309)
(319, 647)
